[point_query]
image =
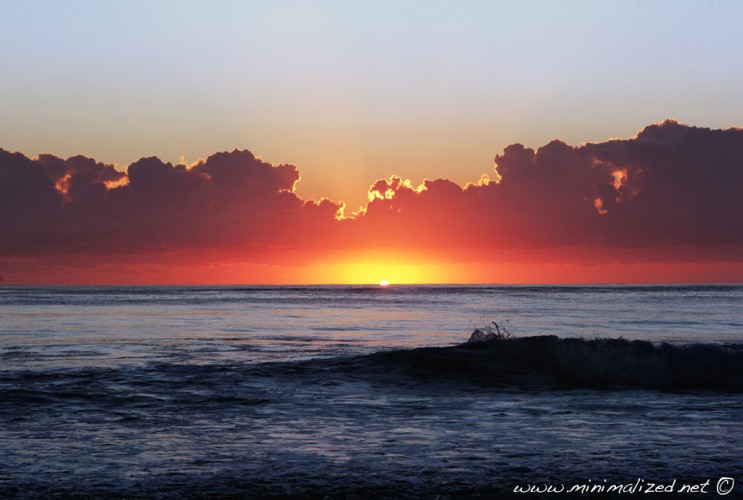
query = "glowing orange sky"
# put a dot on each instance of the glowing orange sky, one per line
(662, 207)
(111, 105)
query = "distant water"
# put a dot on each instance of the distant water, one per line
(220, 391)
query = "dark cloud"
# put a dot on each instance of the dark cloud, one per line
(672, 186)
(52, 205)
(682, 186)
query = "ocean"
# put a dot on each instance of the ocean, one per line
(360, 391)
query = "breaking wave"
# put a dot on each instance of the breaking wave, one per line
(570, 362)
(387, 424)
(538, 363)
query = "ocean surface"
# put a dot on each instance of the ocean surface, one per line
(360, 391)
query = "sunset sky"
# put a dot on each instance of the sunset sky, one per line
(354, 142)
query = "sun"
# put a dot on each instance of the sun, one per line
(384, 283)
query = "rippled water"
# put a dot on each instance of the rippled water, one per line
(197, 391)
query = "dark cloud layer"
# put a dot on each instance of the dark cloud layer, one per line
(51, 205)
(671, 186)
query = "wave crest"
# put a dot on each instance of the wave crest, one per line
(572, 362)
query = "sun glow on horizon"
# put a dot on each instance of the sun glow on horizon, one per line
(380, 268)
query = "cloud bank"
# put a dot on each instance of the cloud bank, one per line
(671, 185)
(57, 206)
(673, 190)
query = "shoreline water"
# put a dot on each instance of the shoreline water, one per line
(308, 392)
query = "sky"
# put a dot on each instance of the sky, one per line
(316, 102)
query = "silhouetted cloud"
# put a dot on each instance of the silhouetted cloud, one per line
(52, 205)
(671, 187)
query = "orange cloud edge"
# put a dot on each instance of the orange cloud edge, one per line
(661, 207)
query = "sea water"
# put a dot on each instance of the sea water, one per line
(220, 391)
